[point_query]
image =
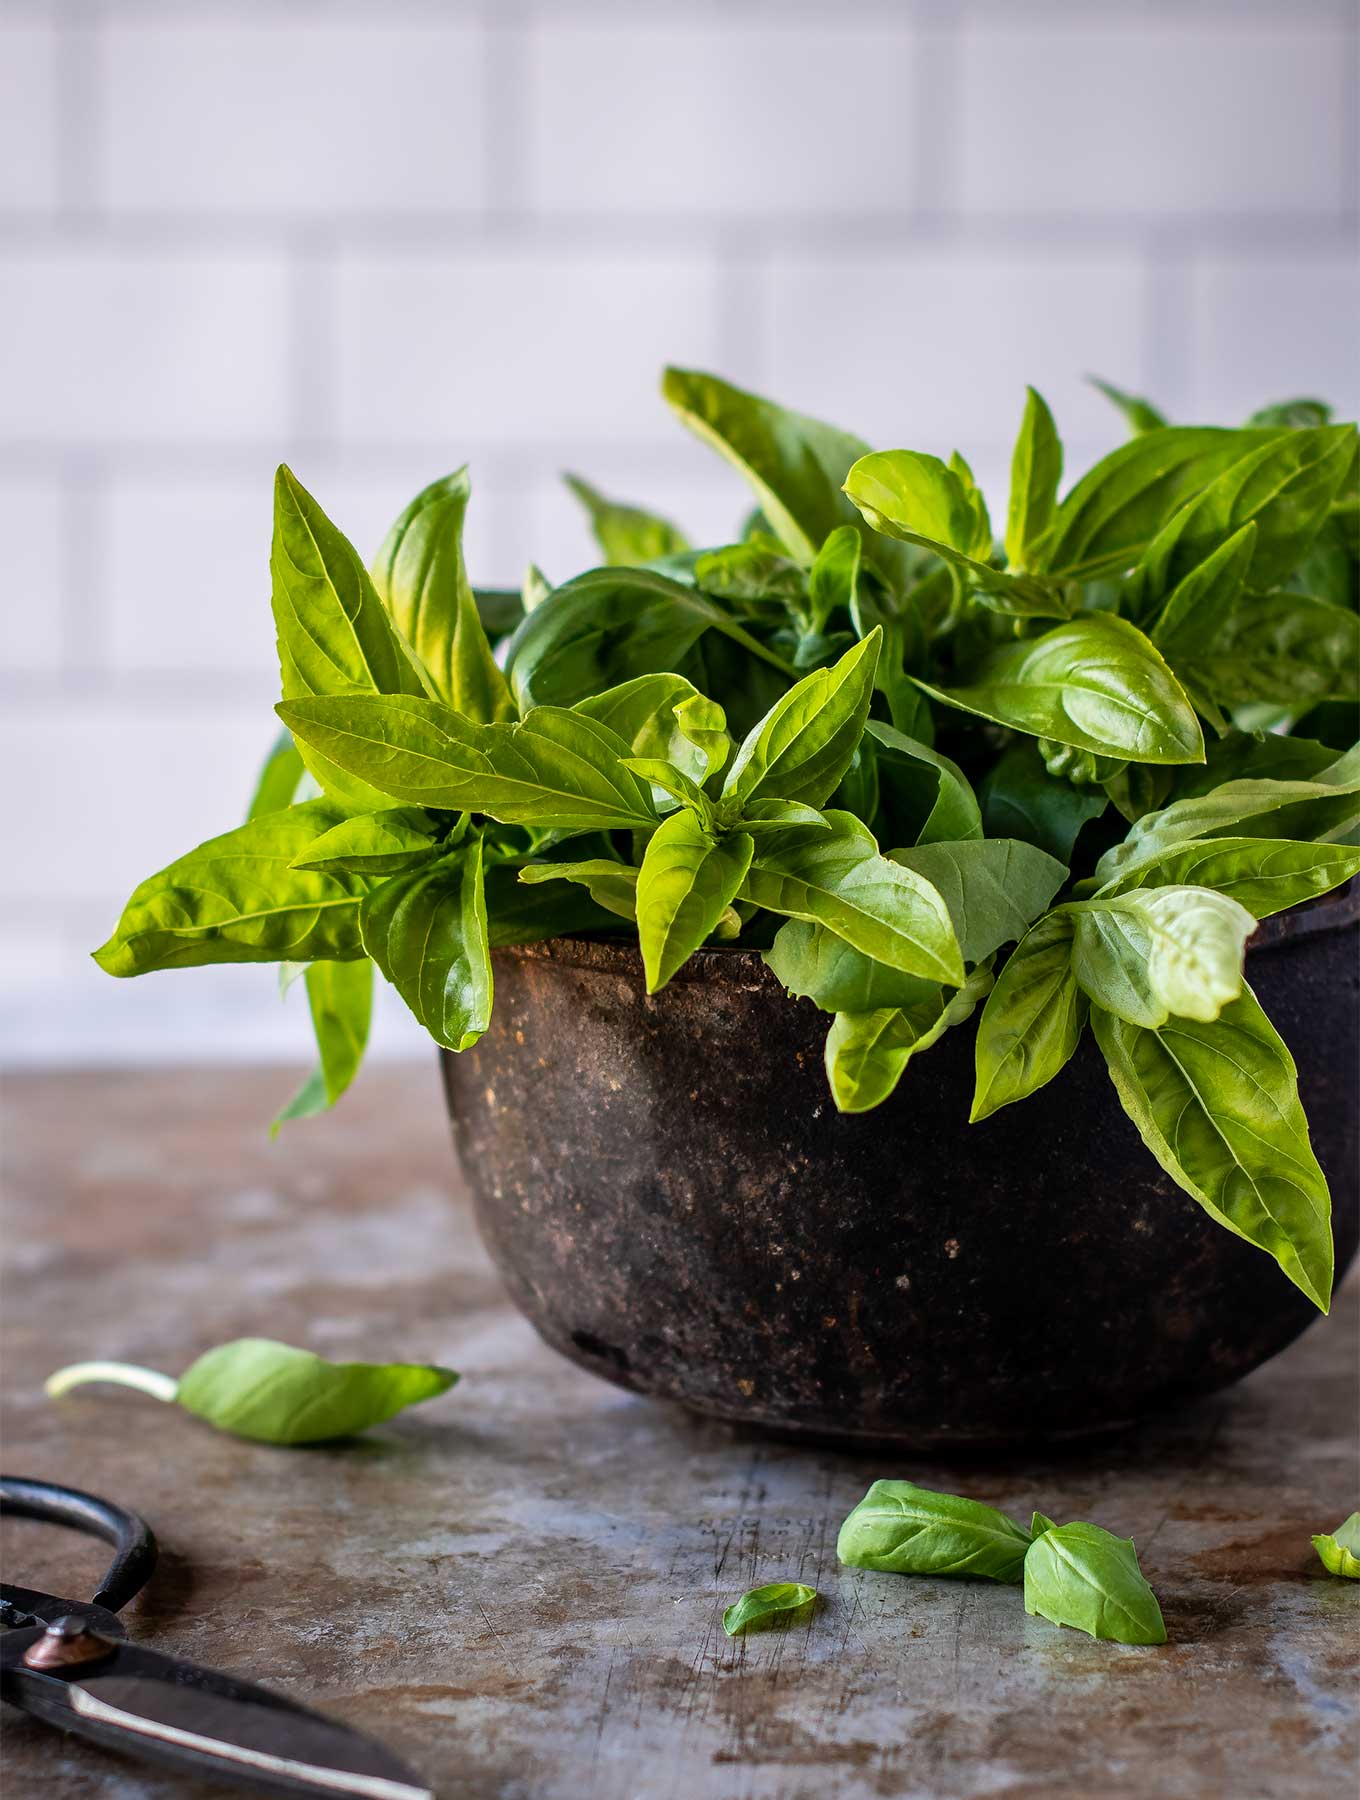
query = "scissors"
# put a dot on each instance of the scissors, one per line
(69, 1662)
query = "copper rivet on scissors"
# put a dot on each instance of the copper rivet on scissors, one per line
(66, 1643)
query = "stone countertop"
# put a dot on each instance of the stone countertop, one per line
(519, 1586)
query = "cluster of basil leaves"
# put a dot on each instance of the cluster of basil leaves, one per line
(867, 740)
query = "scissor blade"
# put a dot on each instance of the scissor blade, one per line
(158, 1706)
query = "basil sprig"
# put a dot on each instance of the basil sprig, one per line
(274, 1393)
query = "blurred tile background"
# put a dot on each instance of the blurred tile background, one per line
(382, 239)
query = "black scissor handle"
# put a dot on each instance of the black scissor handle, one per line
(132, 1538)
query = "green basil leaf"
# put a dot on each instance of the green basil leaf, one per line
(525, 912)
(340, 995)
(279, 778)
(421, 576)
(427, 932)
(838, 879)
(908, 1530)
(981, 543)
(611, 885)
(802, 747)
(757, 570)
(237, 899)
(762, 1605)
(554, 768)
(867, 1053)
(1096, 683)
(665, 777)
(1040, 1522)
(926, 797)
(334, 634)
(1082, 1576)
(994, 888)
(627, 534)
(687, 882)
(377, 843)
(1340, 1549)
(1200, 602)
(1154, 952)
(1283, 648)
(833, 582)
(782, 815)
(1036, 470)
(1259, 754)
(1266, 875)
(499, 609)
(1113, 513)
(1033, 1019)
(813, 962)
(1140, 415)
(273, 1393)
(1020, 799)
(657, 716)
(1218, 1106)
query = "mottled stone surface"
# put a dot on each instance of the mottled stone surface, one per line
(520, 1585)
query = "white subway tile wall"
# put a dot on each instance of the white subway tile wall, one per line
(379, 238)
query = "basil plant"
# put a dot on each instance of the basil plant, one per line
(1056, 770)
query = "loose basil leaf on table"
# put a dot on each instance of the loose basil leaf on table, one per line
(340, 996)
(762, 1606)
(910, 1530)
(628, 535)
(1340, 1549)
(427, 932)
(1217, 1104)
(1033, 1019)
(1083, 1576)
(867, 1053)
(276, 1394)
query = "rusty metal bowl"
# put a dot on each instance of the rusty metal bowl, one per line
(675, 1204)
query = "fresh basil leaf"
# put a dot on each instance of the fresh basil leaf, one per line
(1153, 952)
(1217, 1104)
(1096, 683)
(257, 1388)
(1257, 754)
(838, 879)
(1020, 799)
(1082, 1576)
(237, 899)
(1201, 601)
(1282, 648)
(611, 885)
(554, 768)
(1040, 1522)
(1294, 413)
(995, 888)
(757, 570)
(982, 545)
(534, 590)
(802, 747)
(909, 1530)
(423, 580)
(427, 932)
(665, 778)
(1139, 414)
(1036, 470)
(645, 713)
(524, 912)
(687, 882)
(377, 843)
(833, 581)
(761, 1606)
(1113, 513)
(927, 798)
(813, 962)
(782, 815)
(867, 1053)
(1340, 1549)
(627, 534)
(1033, 1019)
(334, 634)
(340, 995)
(1266, 875)
(704, 724)
(279, 778)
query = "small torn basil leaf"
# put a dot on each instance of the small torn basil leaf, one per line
(762, 1605)
(1086, 1577)
(1340, 1549)
(909, 1530)
(274, 1393)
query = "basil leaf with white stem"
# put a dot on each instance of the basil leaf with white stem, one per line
(257, 1388)
(761, 1606)
(334, 634)
(1266, 875)
(1083, 1576)
(628, 535)
(1154, 952)
(838, 879)
(376, 843)
(1036, 470)
(1217, 1104)
(238, 899)
(910, 1530)
(926, 797)
(610, 885)
(1096, 683)
(1339, 1550)
(554, 768)
(1033, 1019)
(867, 1054)
(427, 932)
(813, 962)
(1139, 414)
(688, 880)
(802, 747)
(995, 888)
(340, 995)
(423, 580)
